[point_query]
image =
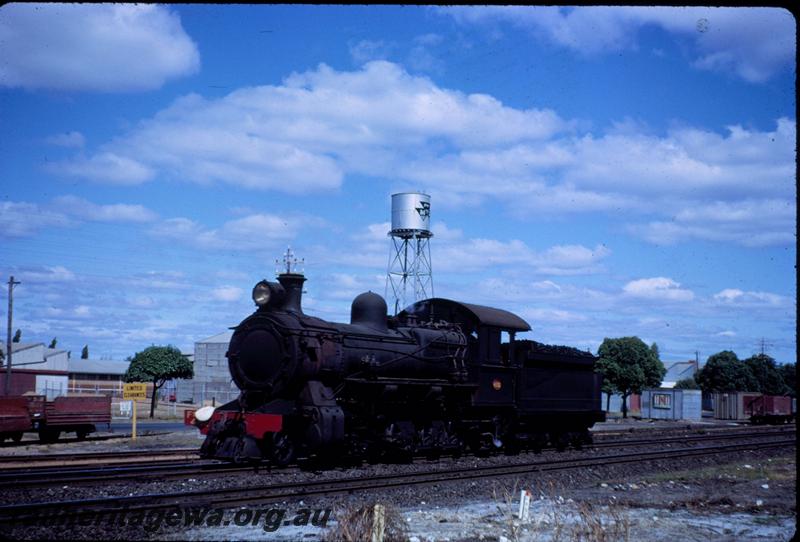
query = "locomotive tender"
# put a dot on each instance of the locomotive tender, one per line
(434, 379)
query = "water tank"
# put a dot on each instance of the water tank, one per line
(411, 211)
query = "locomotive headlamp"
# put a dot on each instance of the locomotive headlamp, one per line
(262, 293)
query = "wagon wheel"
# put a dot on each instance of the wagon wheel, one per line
(81, 433)
(49, 435)
(283, 449)
(17, 437)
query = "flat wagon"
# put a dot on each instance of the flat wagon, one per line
(33, 413)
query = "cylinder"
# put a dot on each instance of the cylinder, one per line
(411, 211)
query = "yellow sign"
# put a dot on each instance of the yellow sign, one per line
(134, 390)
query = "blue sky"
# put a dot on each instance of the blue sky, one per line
(602, 172)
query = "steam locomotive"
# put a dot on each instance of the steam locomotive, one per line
(435, 379)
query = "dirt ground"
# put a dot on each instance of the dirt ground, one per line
(749, 496)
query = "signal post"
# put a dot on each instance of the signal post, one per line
(134, 391)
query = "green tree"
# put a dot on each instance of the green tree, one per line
(630, 366)
(724, 372)
(687, 384)
(789, 374)
(157, 364)
(85, 352)
(654, 350)
(17, 337)
(53, 343)
(607, 388)
(769, 378)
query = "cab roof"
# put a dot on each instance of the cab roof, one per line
(438, 308)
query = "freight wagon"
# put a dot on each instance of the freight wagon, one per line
(33, 413)
(756, 408)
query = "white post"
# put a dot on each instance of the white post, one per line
(524, 506)
(378, 526)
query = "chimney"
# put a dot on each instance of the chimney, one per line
(293, 285)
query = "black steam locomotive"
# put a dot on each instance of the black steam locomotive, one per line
(437, 378)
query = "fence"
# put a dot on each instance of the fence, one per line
(173, 391)
(213, 393)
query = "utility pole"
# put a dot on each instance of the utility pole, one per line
(764, 344)
(11, 284)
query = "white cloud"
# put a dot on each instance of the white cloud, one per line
(68, 139)
(227, 293)
(21, 219)
(463, 150)
(480, 254)
(141, 301)
(47, 274)
(751, 223)
(94, 47)
(657, 288)
(736, 297)
(118, 212)
(289, 138)
(246, 233)
(753, 43)
(367, 50)
(106, 167)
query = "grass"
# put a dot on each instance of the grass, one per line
(354, 524)
(556, 519)
(776, 468)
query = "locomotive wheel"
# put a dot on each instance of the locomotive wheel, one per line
(510, 445)
(283, 449)
(559, 440)
(434, 454)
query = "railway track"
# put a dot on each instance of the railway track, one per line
(158, 466)
(75, 439)
(265, 493)
(10, 461)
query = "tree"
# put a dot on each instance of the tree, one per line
(85, 352)
(687, 384)
(609, 389)
(17, 336)
(723, 372)
(789, 374)
(769, 378)
(53, 343)
(157, 364)
(629, 366)
(654, 350)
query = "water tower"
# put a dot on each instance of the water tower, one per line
(410, 275)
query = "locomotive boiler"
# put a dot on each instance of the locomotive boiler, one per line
(437, 378)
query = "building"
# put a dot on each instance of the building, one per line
(672, 404)
(677, 371)
(97, 376)
(212, 381)
(36, 369)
